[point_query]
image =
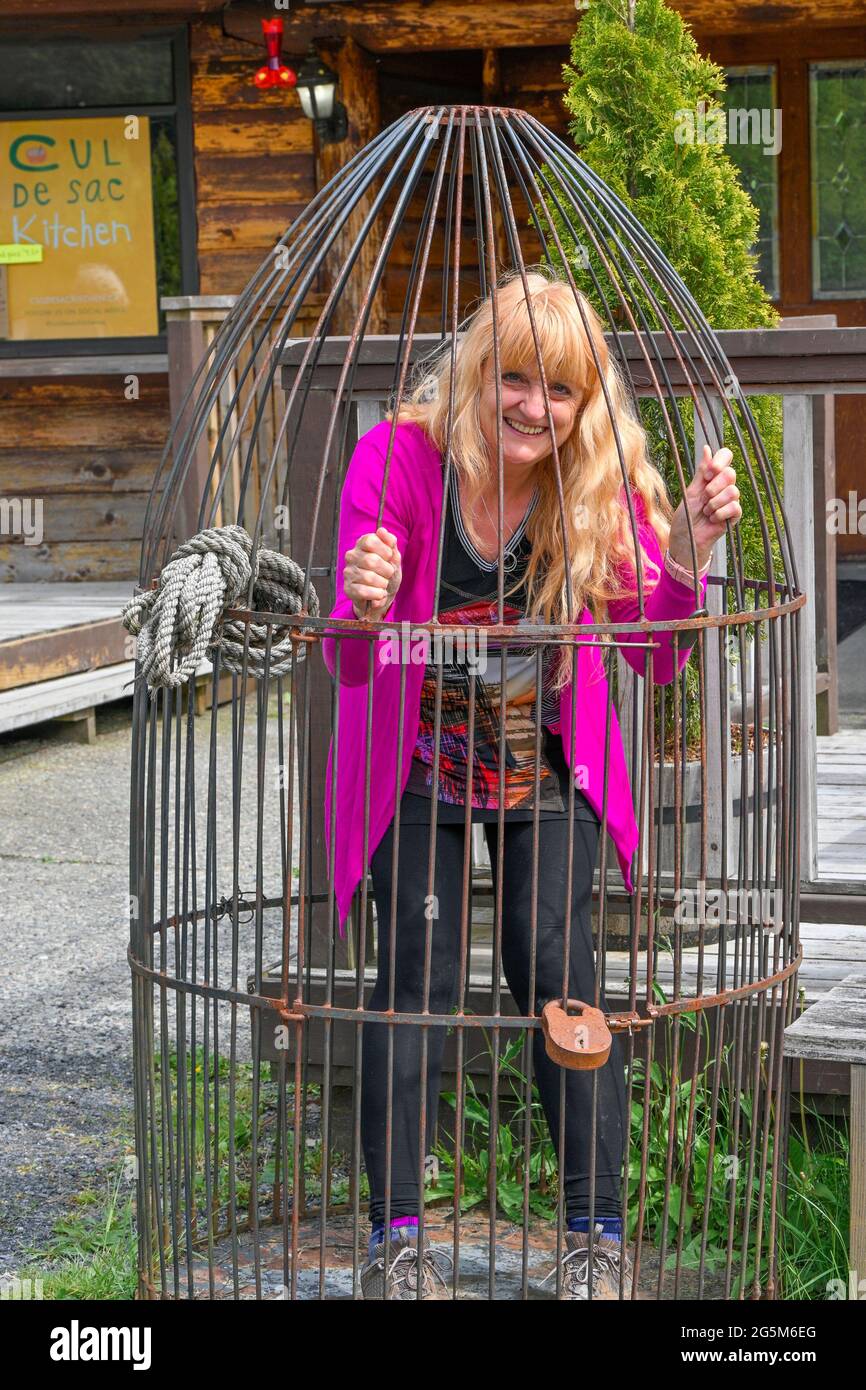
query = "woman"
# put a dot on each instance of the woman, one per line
(388, 574)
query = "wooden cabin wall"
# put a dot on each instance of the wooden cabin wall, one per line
(254, 160)
(529, 78)
(532, 80)
(791, 50)
(89, 455)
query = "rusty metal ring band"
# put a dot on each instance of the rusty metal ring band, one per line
(337, 627)
(617, 1022)
(204, 991)
(621, 1022)
(226, 908)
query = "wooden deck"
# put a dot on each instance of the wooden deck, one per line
(63, 651)
(28, 610)
(842, 807)
(830, 953)
(834, 1032)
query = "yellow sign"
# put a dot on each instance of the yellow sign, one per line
(15, 255)
(79, 191)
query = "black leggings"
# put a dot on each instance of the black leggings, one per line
(444, 982)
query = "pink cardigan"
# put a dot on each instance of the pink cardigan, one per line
(412, 511)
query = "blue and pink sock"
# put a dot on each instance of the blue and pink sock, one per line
(378, 1232)
(611, 1225)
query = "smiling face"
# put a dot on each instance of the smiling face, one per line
(526, 437)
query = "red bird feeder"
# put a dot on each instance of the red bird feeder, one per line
(274, 73)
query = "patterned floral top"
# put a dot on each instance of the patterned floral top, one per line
(468, 595)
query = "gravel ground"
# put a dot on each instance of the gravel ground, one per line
(66, 1057)
(65, 994)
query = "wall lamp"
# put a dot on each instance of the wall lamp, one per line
(316, 87)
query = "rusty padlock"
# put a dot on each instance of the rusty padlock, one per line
(579, 1040)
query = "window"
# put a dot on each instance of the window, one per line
(97, 218)
(837, 101)
(754, 138)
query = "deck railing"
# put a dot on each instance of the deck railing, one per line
(192, 322)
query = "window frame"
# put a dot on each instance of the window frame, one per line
(819, 295)
(181, 110)
(767, 67)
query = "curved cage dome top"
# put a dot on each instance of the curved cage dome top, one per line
(430, 214)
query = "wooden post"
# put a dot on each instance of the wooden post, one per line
(358, 90)
(824, 488)
(857, 1158)
(312, 429)
(718, 721)
(797, 456)
(185, 334)
(79, 726)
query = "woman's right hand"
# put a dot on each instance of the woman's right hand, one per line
(372, 573)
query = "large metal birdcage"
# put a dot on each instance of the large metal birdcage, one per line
(251, 1005)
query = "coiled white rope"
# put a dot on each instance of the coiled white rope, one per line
(180, 621)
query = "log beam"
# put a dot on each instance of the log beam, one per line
(418, 25)
(415, 26)
(87, 9)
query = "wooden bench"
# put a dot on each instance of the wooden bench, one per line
(834, 1029)
(73, 699)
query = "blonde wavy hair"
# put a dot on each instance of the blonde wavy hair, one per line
(600, 541)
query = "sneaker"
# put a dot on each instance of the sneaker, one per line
(403, 1266)
(609, 1257)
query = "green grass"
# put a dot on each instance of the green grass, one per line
(210, 1094)
(814, 1222)
(511, 1176)
(711, 1175)
(92, 1253)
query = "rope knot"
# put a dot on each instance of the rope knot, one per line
(182, 619)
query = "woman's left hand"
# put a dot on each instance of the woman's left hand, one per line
(712, 499)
